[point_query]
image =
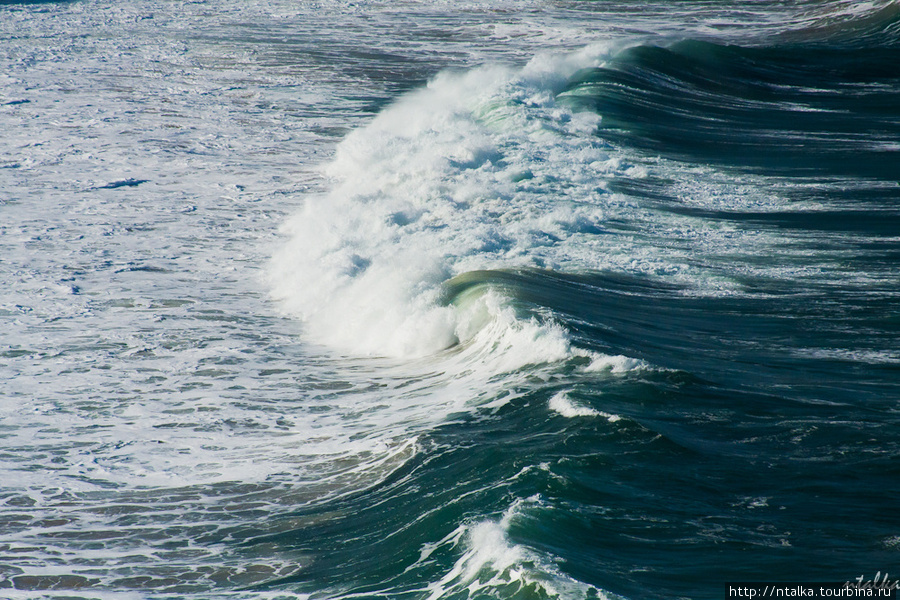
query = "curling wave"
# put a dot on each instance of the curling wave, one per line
(472, 172)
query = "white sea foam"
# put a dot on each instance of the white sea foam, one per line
(616, 364)
(140, 349)
(565, 406)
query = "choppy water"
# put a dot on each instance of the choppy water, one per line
(432, 301)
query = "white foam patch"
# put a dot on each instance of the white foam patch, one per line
(616, 364)
(561, 403)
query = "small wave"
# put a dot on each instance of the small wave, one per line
(492, 566)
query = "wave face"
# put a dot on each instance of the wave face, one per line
(512, 300)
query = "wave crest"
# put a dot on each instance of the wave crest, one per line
(459, 176)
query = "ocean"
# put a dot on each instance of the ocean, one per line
(408, 300)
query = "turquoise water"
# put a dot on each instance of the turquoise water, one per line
(505, 300)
